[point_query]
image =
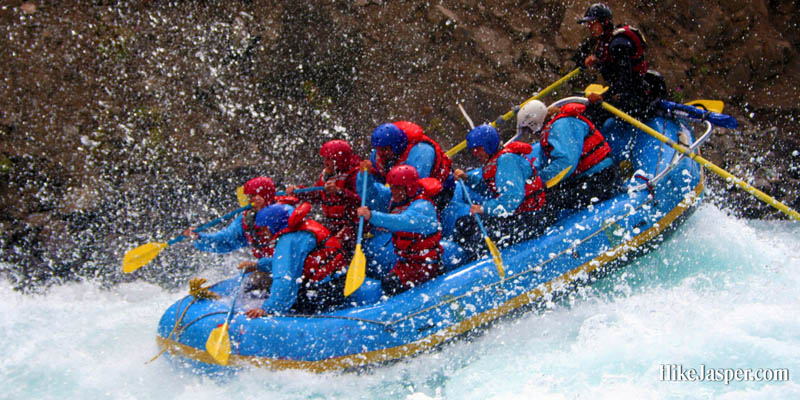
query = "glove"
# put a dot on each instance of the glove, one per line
(595, 98)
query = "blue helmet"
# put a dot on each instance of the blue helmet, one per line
(484, 136)
(274, 216)
(389, 135)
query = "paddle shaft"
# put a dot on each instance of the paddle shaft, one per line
(235, 295)
(236, 212)
(702, 161)
(496, 257)
(303, 190)
(507, 116)
(360, 233)
(477, 217)
(212, 223)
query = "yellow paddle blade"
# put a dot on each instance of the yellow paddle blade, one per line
(218, 344)
(241, 197)
(136, 258)
(498, 260)
(356, 273)
(595, 88)
(710, 105)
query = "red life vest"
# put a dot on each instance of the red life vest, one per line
(637, 38)
(414, 134)
(419, 255)
(260, 244)
(327, 257)
(534, 189)
(339, 210)
(595, 147)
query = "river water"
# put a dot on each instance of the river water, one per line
(721, 294)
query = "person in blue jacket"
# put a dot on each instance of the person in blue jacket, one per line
(573, 157)
(510, 189)
(241, 232)
(415, 253)
(307, 265)
(404, 143)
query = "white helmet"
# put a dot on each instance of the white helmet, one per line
(531, 115)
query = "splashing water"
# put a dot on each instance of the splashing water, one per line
(720, 293)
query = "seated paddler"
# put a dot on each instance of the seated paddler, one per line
(241, 232)
(405, 250)
(339, 199)
(306, 262)
(507, 193)
(400, 143)
(573, 156)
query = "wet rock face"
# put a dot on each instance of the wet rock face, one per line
(122, 123)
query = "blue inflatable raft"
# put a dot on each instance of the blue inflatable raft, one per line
(584, 244)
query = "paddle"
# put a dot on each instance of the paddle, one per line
(138, 257)
(689, 111)
(507, 116)
(709, 110)
(710, 105)
(700, 160)
(358, 266)
(498, 260)
(218, 344)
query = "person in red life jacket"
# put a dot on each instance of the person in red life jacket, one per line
(619, 54)
(509, 192)
(306, 262)
(573, 156)
(241, 231)
(340, 198)
(401, 143)
(415, 231)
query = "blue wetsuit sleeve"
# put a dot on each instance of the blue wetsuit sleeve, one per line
(474, 179)
(264, 264)
(223, 241)
(566, 138)
(422, 157)
(287, 269)
(419, 217)
(536, 153)
(512, 171)
(379, 196)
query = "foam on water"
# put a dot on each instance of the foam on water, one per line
(721, 292)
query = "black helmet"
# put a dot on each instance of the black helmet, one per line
(597, 11)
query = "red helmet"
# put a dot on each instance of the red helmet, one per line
(337, 150)
(261, 186)
(411, 129)
(404, 175)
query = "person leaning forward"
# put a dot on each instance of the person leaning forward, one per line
(510, 192)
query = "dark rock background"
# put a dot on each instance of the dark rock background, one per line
(123, 122)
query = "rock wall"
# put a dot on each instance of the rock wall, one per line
(124, 122)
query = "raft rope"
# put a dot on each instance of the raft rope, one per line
(198, 292)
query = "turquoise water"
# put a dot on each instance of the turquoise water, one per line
(721, 292)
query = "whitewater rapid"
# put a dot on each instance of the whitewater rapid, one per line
(721, 293)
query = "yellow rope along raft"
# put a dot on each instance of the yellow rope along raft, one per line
(198, 291)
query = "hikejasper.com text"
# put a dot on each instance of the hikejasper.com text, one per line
(677, 373)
